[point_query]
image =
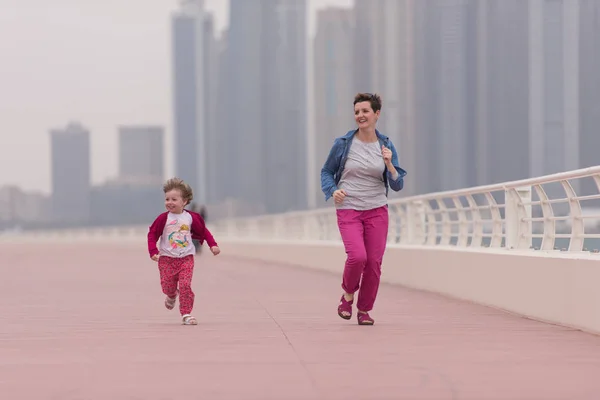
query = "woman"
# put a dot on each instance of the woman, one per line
(360, 168)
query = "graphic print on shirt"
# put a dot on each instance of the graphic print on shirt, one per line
(179, 235)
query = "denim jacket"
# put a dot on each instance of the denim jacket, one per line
(331, 172)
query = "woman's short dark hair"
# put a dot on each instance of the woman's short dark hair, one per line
(372, 98)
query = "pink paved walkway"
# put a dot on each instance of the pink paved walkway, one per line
(88, 322)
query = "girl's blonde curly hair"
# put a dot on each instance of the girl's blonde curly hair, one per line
(187, 194)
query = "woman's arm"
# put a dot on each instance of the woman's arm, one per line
(397, 174)
(330, 167)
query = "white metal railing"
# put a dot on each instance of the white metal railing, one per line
(544, 213)
(553, 212)
(124, 233)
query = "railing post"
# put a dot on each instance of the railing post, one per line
(278, 230)
(517, 210)
(414, 222)
(230, 228)
(410, 225)
(307, 228)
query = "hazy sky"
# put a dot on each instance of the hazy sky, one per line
(103, 63)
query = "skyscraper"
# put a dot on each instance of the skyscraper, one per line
(502, 94)
(247, 103)
(382, 61)
(445, 78)
(188, 95)
(332, 94)
(267, 86)
(285, 161)
(427, 79)
(589, 90)
(553, 85)
(453, 96)
(70, 149)
(399, 102)
(214, 140)
(141, 153)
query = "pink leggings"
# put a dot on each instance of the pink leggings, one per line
(364, 234)
(175, 271)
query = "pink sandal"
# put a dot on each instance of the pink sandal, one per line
(345, 307)
(364, 319)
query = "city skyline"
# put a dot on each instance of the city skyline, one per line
(106, 75)
(468, 84)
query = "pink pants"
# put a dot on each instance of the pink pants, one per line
(175, 271)
(364, 234)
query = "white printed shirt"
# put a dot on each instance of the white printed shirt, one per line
(176, 239)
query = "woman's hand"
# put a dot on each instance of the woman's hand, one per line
(387, 158)
(339, 196)
(387, 155)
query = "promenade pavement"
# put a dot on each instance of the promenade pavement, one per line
(87, 321)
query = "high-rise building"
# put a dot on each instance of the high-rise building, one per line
(384, 63)
(364, 44)
(248, 108)
(70, 149)
(553, 85)
(225, 166)
(426, 91)
(267, 85)
(399, 103)
(22, 208)
(501, 104)
(332, 93)
(453, 96)
(214, 140)
(285, 124)
(189, 96)
(141, 153)
(589, 91)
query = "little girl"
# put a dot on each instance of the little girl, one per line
(177, 228)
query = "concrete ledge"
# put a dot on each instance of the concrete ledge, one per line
(553, 287)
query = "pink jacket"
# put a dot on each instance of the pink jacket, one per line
(198, 230)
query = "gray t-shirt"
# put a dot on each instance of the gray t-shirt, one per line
(362, 178)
